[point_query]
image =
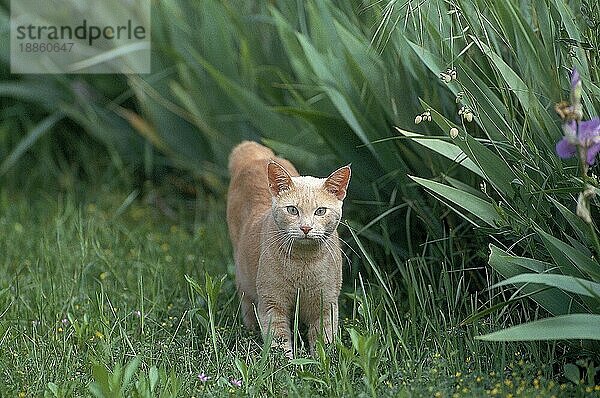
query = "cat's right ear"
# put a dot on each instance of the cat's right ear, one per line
(337, 182)
(279, 179)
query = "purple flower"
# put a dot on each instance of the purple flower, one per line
(203, 378)
(586, 139)
(235, 382)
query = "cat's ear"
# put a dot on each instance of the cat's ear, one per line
(279, 179)
(337, 182)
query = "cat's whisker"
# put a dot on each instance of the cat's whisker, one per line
(346, 257)
(341, 251)
(327, 245)
(273, 238)
(345, 224)
(350, 247)
(275, 234)
(287, 251)
(287, 259)
(346, 243)
(278, 239)
(282, 247)
(267, 249)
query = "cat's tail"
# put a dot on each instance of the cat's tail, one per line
(245, 152)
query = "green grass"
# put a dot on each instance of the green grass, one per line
(91, 284)
(325, 83)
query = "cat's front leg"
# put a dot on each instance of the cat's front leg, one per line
(276, 321)
(326, 323)
(248, 315)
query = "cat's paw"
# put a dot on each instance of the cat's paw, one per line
(284, 345)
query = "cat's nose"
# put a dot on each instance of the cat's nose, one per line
(306, 229)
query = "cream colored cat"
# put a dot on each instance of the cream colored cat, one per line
(283, 230)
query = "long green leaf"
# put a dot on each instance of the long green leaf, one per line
(516, 84)
(563, 282)
(495, 307)
(495, 168)
(485, 211)
(446, 149)
(571, 260)
(529, 101)
(581, 228)
(40, 129)
(553, 300)
(261, 116)
(564, 327)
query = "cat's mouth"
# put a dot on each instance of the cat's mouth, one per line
(314, 236)
(304, 238)
(309, 240)
(306, 243)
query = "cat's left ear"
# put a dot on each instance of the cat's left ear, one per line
(337, 182)
(279, 178)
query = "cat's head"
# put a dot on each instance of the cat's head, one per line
(307, 208)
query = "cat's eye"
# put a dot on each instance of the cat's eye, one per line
(321, 211)
(292, 210)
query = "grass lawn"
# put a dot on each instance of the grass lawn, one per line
(94, 300)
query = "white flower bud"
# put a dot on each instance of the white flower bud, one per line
(459, 96)
(418, 119)
(583, 208)
(453, 132)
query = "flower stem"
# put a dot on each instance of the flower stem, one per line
(596, 242)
